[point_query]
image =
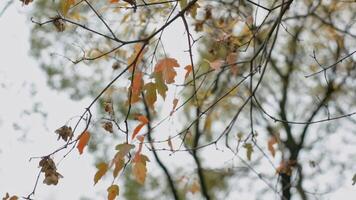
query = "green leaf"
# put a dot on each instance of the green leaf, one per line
(150, 94)
(160, 85)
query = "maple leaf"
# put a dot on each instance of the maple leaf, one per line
(102, 169)
(143, 121)
(166, 67)
(83, 141)
(113, 191)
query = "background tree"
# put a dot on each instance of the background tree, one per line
(259, 81)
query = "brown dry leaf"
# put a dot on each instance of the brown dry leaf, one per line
(108, 127)
(64, 132)
(231, 60)
(26, 2)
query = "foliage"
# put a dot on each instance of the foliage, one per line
(262, 82)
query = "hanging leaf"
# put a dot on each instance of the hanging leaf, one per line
(143, 121)
(175, 102)
(139, 169)
(108, 127)
(113, 192)
(249, 150)
(150, 94)
(137, 56)
(188, 70)
(123, 149)
(136, 87)
(83, 141)
(119, 165)
(65, 132)
(161, 87)
(271, 142)
(166, 67)
(102, 169)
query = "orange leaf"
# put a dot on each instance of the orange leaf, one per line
(136, 57)
(102, 169)
(136, 87)
(83, 141)
(166, 67)
(143, 121)
(189, 69)
(271, 142)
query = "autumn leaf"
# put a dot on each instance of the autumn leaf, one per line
(249, 150)
(139, 169)
(166, 67)
(123, 149)
(65, 132)
(113, 192)
(7, 197)
(113, 1)
(188, 70)
(119, 165)
(161, 87)
(102, 169)
(108, 127)
(150, 94)
(83, 141)
(65, 6)
(137, 56)
(271, 142)
(175, 102)
(136, 87)
(195, 187)
(143, 121)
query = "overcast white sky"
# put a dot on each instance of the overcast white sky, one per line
(22, 85)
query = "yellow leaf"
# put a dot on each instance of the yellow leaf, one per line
(65, 6)
(113, 191)
(102, 169)
(123, 149)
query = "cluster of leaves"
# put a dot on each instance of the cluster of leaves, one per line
(244, 69)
